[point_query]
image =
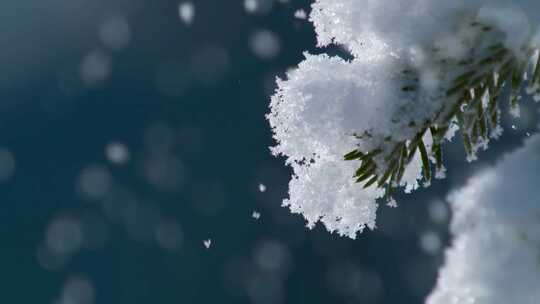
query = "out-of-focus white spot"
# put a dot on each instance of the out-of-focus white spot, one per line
(430, 242)
(256, 215)
(272, 256)
(300, 14)
(250, 6)
(49, 260)
(94, 182)
(63, 237)
(207, 243)
(265, 44)
(7, 165)
(95, 68)
(169, 235)
(186, 11)
(77, 290)
(438, 212)
(263, 288)
(258, 6)
(117, 153)
(115, 33)
(514, 127)
(262, 187)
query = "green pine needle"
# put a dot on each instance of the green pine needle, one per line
(473, 104)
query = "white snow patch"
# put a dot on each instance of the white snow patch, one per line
(494, 257)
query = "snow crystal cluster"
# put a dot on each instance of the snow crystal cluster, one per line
(495, 254)
(396, 82)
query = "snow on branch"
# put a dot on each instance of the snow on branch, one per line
(355, 130)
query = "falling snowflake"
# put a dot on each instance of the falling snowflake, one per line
(300, 14)
(186, 11)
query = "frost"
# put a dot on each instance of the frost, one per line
(407, 58)
(494, 257)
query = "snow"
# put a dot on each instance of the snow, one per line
(406, 57)
(409, 23)
(256, 215)
(494, 257)
(392, 203)
(300, 14)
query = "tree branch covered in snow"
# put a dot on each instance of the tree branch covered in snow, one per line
(495, 254)
(421, 70)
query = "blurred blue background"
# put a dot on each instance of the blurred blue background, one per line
(131, 131)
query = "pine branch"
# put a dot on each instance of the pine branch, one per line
(472, 102)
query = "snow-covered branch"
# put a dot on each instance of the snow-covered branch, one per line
(421, 70)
